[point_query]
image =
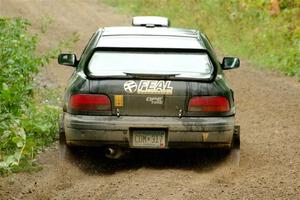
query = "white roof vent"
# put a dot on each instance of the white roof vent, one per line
(150, 21)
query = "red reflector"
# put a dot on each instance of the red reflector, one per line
(84, 102)
(209, 104)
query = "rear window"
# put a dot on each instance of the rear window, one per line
(120, 63)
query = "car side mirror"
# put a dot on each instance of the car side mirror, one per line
(67, 59)
(230, 63)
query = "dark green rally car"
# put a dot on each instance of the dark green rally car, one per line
(148, 86)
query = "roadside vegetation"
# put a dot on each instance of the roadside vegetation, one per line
(28, 122)
(266, 32)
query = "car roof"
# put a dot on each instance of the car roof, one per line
(150, 37)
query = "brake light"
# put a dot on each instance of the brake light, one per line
(209, 104)
(86, 102)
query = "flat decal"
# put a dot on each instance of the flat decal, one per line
(130, 86)
(204, 137)
(155, 100)
(119, 102)
(149, 87)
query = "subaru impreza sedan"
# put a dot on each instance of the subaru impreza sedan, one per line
(148, 86)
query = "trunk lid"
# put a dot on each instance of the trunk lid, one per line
(144, 97)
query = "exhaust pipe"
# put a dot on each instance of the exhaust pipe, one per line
(114, 152)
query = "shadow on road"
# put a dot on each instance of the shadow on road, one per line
(93, 161)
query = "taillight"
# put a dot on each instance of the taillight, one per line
(209, 104)
(89, 102)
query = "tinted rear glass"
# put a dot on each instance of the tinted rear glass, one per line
(183, 64)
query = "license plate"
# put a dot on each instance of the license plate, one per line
(149, 138)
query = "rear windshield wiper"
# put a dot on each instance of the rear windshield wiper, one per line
(149, 75)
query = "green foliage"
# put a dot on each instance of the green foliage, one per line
(27, 124)
(242, 27)
(64, 44)
(18, 65)
(45, 22)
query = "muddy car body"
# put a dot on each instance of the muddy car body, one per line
(148, 86)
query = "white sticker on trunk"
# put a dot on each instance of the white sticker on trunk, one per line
(155, 100)
(130, 86)
(149, 87)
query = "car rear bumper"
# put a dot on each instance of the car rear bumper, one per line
(185, 132)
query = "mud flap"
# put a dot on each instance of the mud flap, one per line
(62, 146)
(65, 152)
(236, 138)
(234, 155)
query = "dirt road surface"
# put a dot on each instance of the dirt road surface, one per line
(268, 110)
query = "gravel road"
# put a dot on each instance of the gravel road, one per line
(268, 110)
